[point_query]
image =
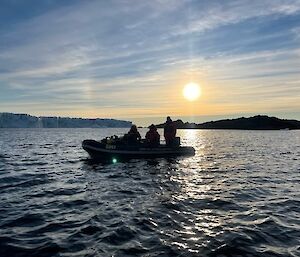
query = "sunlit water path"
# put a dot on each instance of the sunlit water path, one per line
(239, 196)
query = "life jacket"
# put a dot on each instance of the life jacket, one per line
(170, 130)
(133, 136)
(152, 136)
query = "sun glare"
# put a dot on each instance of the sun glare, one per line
(191, 91)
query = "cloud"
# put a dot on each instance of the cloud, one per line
(221, 13)
(129, 54)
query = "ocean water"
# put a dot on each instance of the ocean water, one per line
(238, 196)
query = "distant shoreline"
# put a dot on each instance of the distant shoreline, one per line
(258, 122)
(12, 120)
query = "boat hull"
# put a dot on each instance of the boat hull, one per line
(100, 151)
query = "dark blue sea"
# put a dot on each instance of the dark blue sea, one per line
(238, 196)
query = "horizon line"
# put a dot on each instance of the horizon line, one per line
(175, 117)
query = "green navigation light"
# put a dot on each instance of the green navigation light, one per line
(114, 160)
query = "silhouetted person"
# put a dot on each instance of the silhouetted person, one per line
(152, 137)
(169, 131)
(133, 135)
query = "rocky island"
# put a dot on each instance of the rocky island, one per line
(259, 122)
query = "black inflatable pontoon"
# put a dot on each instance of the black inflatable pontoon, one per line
(110, 152)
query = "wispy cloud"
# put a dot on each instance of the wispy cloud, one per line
(131, 55)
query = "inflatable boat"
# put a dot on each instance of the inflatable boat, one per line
(113, 153)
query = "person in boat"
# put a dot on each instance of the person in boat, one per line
(169, 131)
(133, 136)
(152, 137)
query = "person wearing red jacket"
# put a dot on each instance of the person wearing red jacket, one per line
(152, 136)
(169, 131)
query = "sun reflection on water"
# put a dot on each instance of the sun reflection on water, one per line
(194, 197)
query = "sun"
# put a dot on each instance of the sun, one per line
(191, 91)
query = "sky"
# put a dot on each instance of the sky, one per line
(130, 59)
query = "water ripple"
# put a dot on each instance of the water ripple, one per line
(239, 196)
